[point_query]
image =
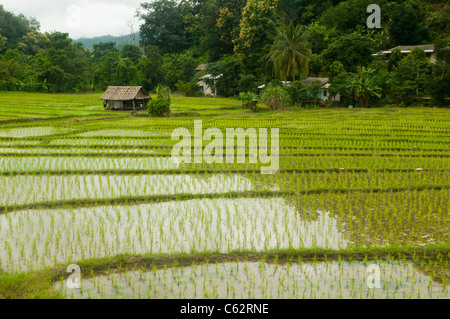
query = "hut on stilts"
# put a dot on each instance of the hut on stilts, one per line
(121, 98)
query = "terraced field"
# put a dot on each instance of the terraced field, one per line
(99, 189)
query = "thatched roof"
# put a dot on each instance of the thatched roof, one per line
(124, 93)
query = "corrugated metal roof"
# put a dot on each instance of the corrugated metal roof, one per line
(311, 79)
(428, 48)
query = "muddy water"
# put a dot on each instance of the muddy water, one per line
(19, 190)
(36, 239)
(262, 280)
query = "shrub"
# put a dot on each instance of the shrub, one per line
(275, 97)
(163, 92)
(248, 83)
(249, 100)
(297, 92)
(158, 107)
(188, 88)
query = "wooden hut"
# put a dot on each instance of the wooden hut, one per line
(125, 98)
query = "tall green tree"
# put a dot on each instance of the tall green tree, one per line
(257, 26)
(339, 80)
(17, 71)
(179, 67)
(410, 78)
(303, 11)
(414, 67)
(289, 52)
(351, 14)
(114, 70)
(440, 82)
(3, 41)
(65, 65)
(150, 68)
(407, 24)
(228, 22)
(164, 26)
(231, 67)
(33, 42)
(320, 37)
(351, 50)
(219, 26)
(395, 57)
(103, 48)
(13, 27)
(132, 52)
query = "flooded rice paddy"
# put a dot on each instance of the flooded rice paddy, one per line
(20, 190)
(261, 280)
(36, 239)
(81, 191)
(43, 163)
(70, 151)
(33, 131)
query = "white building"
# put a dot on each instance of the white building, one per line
(205, 87)
(323, 93)
(206, 81)
(406, 49)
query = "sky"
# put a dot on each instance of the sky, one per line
(80, 18)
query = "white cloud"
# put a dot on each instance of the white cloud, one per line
(80, 18)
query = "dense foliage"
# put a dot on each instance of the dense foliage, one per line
(245, 43)
(160, 106)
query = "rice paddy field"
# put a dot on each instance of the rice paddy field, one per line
(355, 188)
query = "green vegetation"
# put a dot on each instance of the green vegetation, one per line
(245, 44)
(249, 100)
(160, 106)
(100, 189)
(289, 52)
(355, 187)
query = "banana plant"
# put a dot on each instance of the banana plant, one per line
(363, 86)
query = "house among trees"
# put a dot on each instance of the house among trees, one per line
(406, 49)
(122, 98)
(322, 92)
(207, 82)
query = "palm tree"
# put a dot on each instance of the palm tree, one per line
(289, 52)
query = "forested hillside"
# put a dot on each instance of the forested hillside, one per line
(248, 43)
(120, 40)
